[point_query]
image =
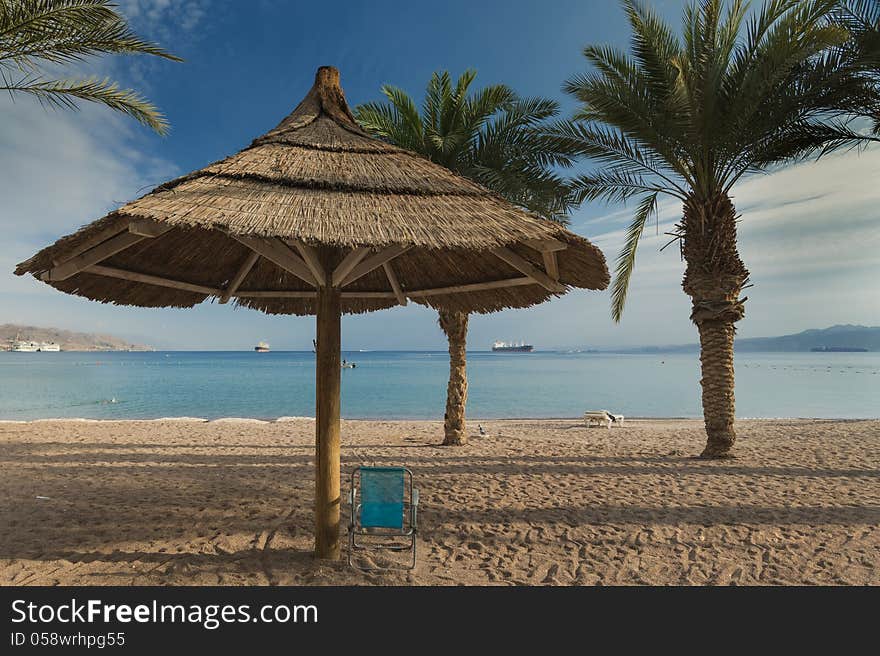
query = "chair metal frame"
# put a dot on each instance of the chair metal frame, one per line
(408, 530)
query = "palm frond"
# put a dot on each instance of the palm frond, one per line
(520, 131)
(405, 107)
(630, 108)
(386, 122)
(481, 106)
(38, 32)
(626, 260)
(63, 31)
(532, 187)
(788, 40)
(620, 151)
(614, 186)
(654, 47)
(65, 93)
(859, 15)
(437, 95)
(861, 18)
(488, 135)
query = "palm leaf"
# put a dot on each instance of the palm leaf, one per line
(626, 260)
(654, 47)
(613, 186)
(489, 135)
(62, 31)
(386, 122)
(65, 93)
(621, 152)
(37, 32)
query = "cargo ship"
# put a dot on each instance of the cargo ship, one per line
(838, 349)
(262, 347)
(511, 347)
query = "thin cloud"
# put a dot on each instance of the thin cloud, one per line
(177, 25)
(162, 18)
(65, 169)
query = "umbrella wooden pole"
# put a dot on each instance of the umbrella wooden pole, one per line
(328, 375)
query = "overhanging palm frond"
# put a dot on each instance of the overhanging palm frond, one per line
(36, 32)
(378, 118)
(67, 30)
(65, 93)
(626, 260)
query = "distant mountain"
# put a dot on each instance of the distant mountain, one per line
(68, 340)
(843, 336)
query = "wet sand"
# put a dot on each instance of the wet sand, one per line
(534, 502)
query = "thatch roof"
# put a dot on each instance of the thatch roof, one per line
(316, 187)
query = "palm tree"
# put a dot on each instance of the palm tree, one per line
(738, 92)
(34, 33)
(492, 137)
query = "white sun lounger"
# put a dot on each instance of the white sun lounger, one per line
(602, 417)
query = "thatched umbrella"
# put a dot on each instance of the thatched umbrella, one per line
(317, 217)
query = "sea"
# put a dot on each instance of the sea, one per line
(412, 385)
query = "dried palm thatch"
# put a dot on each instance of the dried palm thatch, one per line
(316, 195)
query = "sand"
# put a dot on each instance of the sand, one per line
(534, 502)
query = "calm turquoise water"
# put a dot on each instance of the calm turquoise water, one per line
(413, 385)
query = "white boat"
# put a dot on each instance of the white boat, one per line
(25, 347)
(35, 347)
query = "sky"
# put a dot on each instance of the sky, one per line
(809, 232)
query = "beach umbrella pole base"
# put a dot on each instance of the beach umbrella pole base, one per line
(328, 372)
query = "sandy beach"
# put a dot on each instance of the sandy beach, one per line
(534, 502)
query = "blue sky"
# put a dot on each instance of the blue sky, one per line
(809, 233)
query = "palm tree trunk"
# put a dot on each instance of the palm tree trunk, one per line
(714, 278)
(455, 324)
(716, 360)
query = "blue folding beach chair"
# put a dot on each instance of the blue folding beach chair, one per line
(384, 505)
